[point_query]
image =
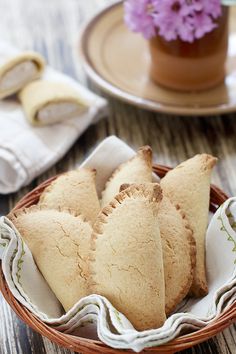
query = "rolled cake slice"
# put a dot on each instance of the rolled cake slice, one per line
(179, 252)
(19, 70)
(47, 102)
(59, 242)
(75, 190)
(188, 185)
(127, 265)
(136, 170)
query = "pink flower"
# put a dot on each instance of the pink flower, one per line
(203, 24)
(212, 8)
(172, 19)
(139, 17)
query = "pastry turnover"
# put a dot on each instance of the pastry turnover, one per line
(46, 102)
(59, 242)
(18, 71)
(136, 170)
(75, 190)
(127, 265)
(179, 252)
(188, 185)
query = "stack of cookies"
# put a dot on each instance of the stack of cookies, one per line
(142, 245)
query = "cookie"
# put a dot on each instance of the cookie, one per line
(59, 242)
(179, 252)
(136, 170)
(127, 265)
(188, 185)
(74, 190)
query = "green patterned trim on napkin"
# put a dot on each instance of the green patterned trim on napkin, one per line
(117, 314)
(19, 264)
(230, 238)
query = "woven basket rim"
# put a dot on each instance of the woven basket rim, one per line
(85, 344)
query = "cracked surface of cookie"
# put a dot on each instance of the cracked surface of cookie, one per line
(188, 185)
(74, 190)
(136, 170)
(59, 242)
(179, 252)
(127, 265)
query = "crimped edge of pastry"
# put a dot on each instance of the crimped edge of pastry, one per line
(192, 244)
(199, 287)
(134, 191)
(13, 216)
(49, 188)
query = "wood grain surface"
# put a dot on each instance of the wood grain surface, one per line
(52, 27)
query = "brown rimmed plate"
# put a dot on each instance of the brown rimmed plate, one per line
(118, 61)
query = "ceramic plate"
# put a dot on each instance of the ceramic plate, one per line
(118, 61)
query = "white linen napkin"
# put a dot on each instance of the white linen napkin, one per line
(113, 328)
(27, 151)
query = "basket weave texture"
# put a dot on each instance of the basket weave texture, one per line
(88, 346)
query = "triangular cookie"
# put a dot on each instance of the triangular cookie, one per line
(179, 252)
(136, 170)
(75, 190)
(188, 185)
(59, 242)
(127, 264)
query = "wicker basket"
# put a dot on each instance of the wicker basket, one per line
(87, 346)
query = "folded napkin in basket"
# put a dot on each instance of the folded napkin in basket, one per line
(26, 151)
(28, 286)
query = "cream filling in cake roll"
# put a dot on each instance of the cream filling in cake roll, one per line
(19, 70)
(46, 102)
(56, 112)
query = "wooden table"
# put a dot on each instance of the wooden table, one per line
(52, 27)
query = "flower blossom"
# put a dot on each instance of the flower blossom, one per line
(172, 19)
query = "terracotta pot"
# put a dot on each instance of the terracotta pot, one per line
(191, 66)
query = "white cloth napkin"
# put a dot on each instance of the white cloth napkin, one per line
(96, 312)
(27, 151)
